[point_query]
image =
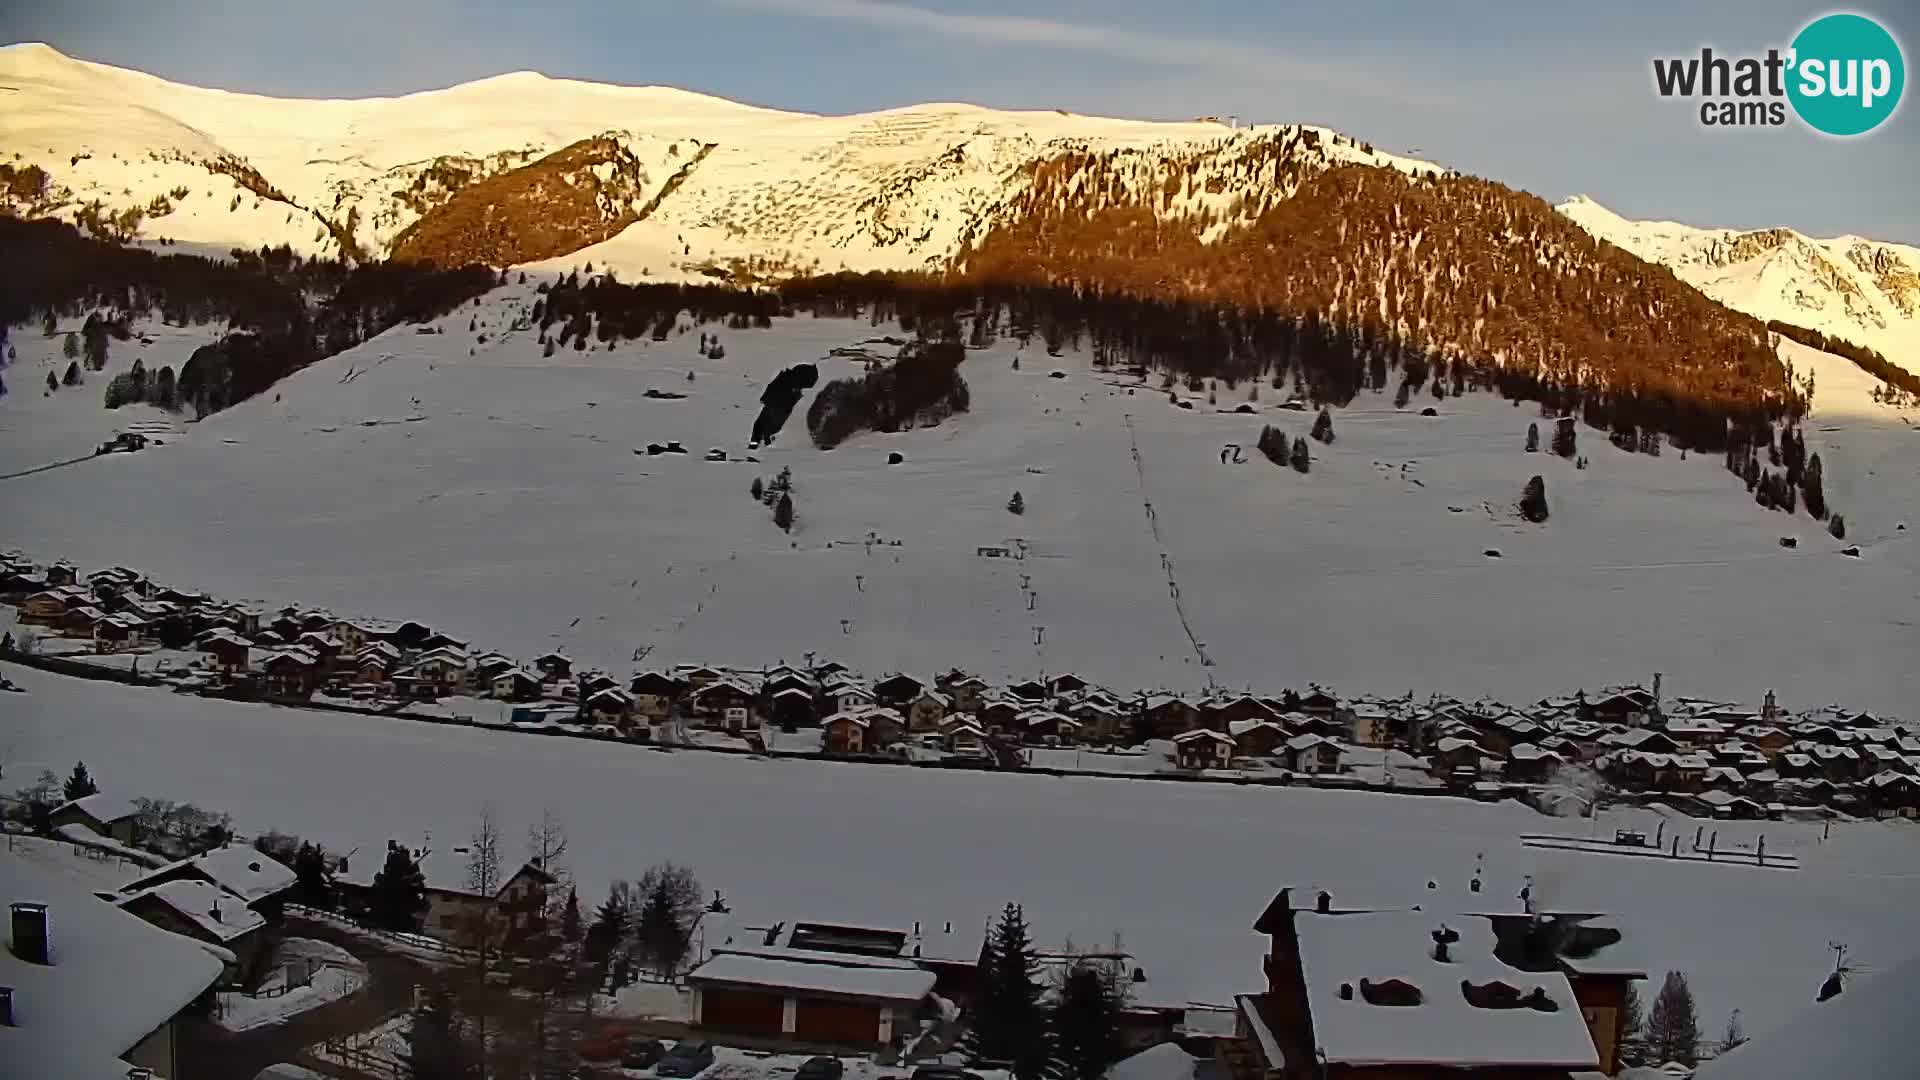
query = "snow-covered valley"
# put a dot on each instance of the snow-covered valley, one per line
(500, 496)
(1179, 870)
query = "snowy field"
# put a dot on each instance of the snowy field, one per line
(498, 496)
(1180, 870)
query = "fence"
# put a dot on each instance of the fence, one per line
(397, 940)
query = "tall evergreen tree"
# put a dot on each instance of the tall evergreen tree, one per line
(310, 877)
(1813, 485)
(1086, 1025)
(1017, 505)
(79, 783)
(783, 512)
(1837, 526)
(1009, 1023)
(570, 918)
(52, 383)
(399, 894)
(70, 348)
(758, 489)
(1301, 459)
(659, 933)
(72, 377)
(1533, 438)
(1673, 1029)
(610, 922)
(1323, 427)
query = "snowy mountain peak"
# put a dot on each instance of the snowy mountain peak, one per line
(1859, 290)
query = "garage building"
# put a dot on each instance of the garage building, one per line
(831, 999)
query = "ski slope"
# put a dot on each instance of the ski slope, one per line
(499, 496)
(1179, 870)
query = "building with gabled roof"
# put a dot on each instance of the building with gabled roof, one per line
(94, 989)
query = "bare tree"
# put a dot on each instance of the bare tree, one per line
(547, 849)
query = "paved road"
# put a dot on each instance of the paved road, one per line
(208, 1052)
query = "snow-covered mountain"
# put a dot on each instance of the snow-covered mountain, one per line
(1848, 287)
(687, 182)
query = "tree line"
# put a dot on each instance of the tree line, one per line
(1899, 380)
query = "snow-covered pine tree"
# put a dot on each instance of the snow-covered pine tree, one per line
(1533, 438)
(1323, 427)
(1301, 459)
(1009, 1023)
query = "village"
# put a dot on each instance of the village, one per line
(1564, 754)
(480, 936)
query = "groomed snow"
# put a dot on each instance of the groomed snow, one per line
(1180, 870)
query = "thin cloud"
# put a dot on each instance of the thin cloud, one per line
(1248, 62)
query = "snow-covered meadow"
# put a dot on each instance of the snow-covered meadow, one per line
(1180, 870)
(498, 496)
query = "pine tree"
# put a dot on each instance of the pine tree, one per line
(548, 351)
(79, 783)
(1673, 1030)
(1301, 459)
(1813, 484)
(783, 512)
(399, 893)
(609, 922)
(1533, 438)
(1086, 1026)
(52, 383)
(570, 917)
(310, 877)
(49, 326)
(1752, 472)
(72, 377)
(1565, 441)
(1009, 1024)
(1323, 427)
(1533, 501)
(71, 347)
(1837, 526)
(758, 489)
(659, 933)
(1017, 505)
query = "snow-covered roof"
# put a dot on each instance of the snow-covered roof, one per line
(1163, 1062)
(1444, 1028)
(114, 979)
(841, 979)
(219, 915)
(1867, 1033)
(102, 807)
(1241, 727)
(1198, 734)
(242, 871)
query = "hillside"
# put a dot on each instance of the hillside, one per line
(401, 478)
(1863, 291)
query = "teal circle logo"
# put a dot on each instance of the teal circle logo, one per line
(1847, 74)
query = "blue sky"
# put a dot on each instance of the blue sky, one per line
(1553, 98)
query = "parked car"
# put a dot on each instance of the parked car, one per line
(642, 1053)
(820, 1068)
(687, 1059)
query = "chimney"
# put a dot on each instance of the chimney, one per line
(214, 911)
(32, 934)
(1323, 903)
